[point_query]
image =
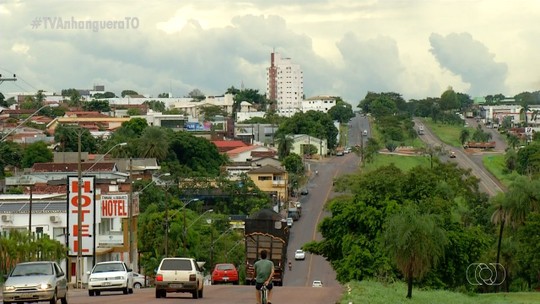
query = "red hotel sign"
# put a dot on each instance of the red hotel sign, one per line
(114, 206)
(87, 204)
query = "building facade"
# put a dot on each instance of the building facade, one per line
(285, 85)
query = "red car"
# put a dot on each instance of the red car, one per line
(225, 273)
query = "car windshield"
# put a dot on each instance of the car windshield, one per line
(225, 267)
(109, 267)
(32, 269)
(299, 251)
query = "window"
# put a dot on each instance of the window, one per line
(264, 178)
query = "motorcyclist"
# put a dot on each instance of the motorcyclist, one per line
(316, 172)
(290, 265)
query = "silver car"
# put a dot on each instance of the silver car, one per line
(42, 281)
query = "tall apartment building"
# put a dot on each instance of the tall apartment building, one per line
(285, 85)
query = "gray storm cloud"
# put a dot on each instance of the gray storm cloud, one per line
(471, 60)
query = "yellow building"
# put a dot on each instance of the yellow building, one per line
(272, 180)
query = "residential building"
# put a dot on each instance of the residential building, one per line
(302, 141)
(285, 85)
(272, 180)
(318, 103)
(255, 133)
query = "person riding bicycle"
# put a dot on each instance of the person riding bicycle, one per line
(264, 273)
(316, 172)
(290, 265)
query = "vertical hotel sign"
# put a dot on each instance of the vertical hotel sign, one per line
(88, 215)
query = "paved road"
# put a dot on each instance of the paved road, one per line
(221, 294)
(488, 183)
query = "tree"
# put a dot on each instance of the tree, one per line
(528, 159)
(285, 143)
(128, 93)
(68, 138)
(209, 112)
(154, 143)
(196, 154)
(136, 125)
(512, 140)
(341, 112)
(250, 95)
(97, 105)
(293, 164)
(464, 136)
(196, 95)
(164, 95)
(414, 241)
(104, 95)
(10, 155)
(155, 105)
(36, 153)
(449, 100)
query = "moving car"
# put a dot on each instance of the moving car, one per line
(179, 275)
(139, 280)
(452, 154)
(304, 191)
(364, 133)
(317, 283)
(35, 282)
(110, 276)
(225, 273)
(299, 255)
(290, 221)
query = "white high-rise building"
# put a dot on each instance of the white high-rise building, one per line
(285, 85)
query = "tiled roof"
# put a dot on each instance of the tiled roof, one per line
(228, 143)
(263, 154)
(267, 169)
(72, 167)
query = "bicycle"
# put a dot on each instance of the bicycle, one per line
(264, 295)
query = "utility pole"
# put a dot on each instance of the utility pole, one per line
(362, 148)
(2, 79)
(130, 213)
(30, 213)
(78, 263)
(167, 226)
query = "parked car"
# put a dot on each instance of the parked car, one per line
(290, 221)
(317, 283)
(139, 280)
(110, 276)
(304, 191)
(225, 273)
(42, 281)
(364, 133)
(179, 275)
(452, 154)
(299, 255)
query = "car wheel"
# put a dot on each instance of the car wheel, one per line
(90, 293)
(125, 290)
(158, 294)
(201, 293)
(235, 283)
(130, 290)
(137, 285)
(98, 293)
(54, 298)
(195, 294)
(64, 299)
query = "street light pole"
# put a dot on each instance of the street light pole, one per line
(185, 231)
(30, 213)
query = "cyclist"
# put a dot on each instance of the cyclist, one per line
(290, 265)
(264, 273)
(316, 172)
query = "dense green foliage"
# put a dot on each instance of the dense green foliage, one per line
(352, 234)
(37, 152)
(313, 123)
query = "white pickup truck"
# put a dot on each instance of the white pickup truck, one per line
(179, 275)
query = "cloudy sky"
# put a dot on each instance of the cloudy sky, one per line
(416, 48)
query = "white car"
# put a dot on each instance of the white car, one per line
(180, 275)
(139, 281)
(110, 276)
(299, 254)
(317, 283)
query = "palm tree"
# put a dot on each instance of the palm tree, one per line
(513, 140)
(154, 142)
(415, 242)
(512, 208)
(285, 144)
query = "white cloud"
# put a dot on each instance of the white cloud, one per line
(345, 47)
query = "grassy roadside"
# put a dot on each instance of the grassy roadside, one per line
(495, 164)
(404, 163)
(377, 293)
(449, 134)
